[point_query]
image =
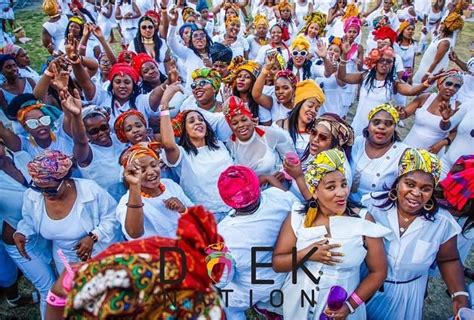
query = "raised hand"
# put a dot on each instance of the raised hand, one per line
(227, 92)
(97, 31)
(270, 60)
(453, 56)
(61, 73)
(321, 50)
(170, 91)
(446, 111)
(173, 15)
(71, 103)
(132, 174)
(345, 47)
(71, 47)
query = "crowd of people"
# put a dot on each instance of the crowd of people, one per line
(279, 118)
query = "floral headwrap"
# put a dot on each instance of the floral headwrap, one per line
(335, 41)
(405, 24)
(452, 73)
(123, 69)
(238, 187)
(375, 54)
(325, 162)
(238, 64)
(234, 106)
(351, 11)
(93, 110)
(300, 42)
(308, 89)
(315, 17)
(260, 19)
(178, 124)
(453, 22)
(136, 151)
(385, 107)
(49, 165)
(118, 124)
(419, 160)
(210, 74)
(188, 12)
(352, 22)
(385, 32)
(339, 128)
(48, 110)
(233, 19)
(139, 60)
(458, 186)
(287, 74)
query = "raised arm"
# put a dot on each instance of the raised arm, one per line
(134, 216)
(105, 45)
(164, 22)
(351, 78)
(461, 64)
(11, 140)
(167, 136)
(180, 50)
(411, 108)
(257, 90)
(442, 49)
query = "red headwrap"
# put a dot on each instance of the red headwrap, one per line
(384, 33)
(139, 60)
(458, 186)
(234, 106)
(154, 15)
(123, 54)
(288, 75)
(238, 187)
(122, 69)
(118, 125)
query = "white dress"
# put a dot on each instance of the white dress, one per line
(57, 30)
(373, 175)
(409, 259)
(428, 57)
(301, 10)
(347, 231)
(129, 26)
(239, 47)
(334, 93)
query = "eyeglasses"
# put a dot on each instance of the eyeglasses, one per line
(47, 191)
(35, 123)
(378, 122)
(94, 131)
(386, 61)
(200, 35)
(199, 84)
(302, 53)
(149, 27)
(449, 84)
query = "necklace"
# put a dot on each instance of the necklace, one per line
(161, 187)
(406, 224)
(148, 41)
(261, 41)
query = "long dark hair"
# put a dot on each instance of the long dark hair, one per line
(137, 41)
(334, 144)
(253, 106)
(389, 82)
(388, 203)
(293, 122)
(210, 139)
(132, 99)
(66, 32)
(306, 68)
(208, 41)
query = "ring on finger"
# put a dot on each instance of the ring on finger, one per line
(328, 254)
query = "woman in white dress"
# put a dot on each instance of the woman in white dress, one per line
(301, 8)
(260, 37)
(127, 14)
(54, 29)
(232, 38)
(104, 19)
(421, 234)
(406, 48)
(431, 21)
(375, 154)
(313, 30)
(332, 241)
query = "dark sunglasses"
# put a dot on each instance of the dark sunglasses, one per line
(199, 84)
(448, 84)
(386, 61)
(387, 123)
(48, 191)
(147, 27)
(95, 131)
(200, 35)
(321, 137)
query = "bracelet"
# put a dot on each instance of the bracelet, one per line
(459, 293)
(445, 121)
(83, 47)
(55, 300)
(351, 308)
(342, 60)
(93, 236)
(134, 206)
(161, 87)
(164, 113)
(48, 73)
(356, 298)
(449, 140)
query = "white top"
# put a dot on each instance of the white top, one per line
(263, 154)
(278, 111)
(334, 96)
(162, 54)
(428, 57)
(63, 143)
(301, 10)
(158, 220)
(199, 174)
(466, 92)
(238, 48)
(372, 175)
(28, 72)
(56, 30)
(128, 23)
(254, 47)
(260, 229)
(406, 53)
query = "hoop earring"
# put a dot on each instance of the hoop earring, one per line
(392, 195)
(429, 205)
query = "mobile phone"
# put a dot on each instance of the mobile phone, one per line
(271, 52)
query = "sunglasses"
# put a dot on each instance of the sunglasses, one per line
(199, 84)
(200, 35)
(449, 84)
(47, 191)
(35, 123)
(149, 27)
(301, 53)
(386, 61)
(94, 131)
(320, 137)
(387, 123)
(105, 63)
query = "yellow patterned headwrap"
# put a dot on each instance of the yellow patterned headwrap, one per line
(385, 107)
(238, 64)
(351, 11)
(260, 19)
(405, 24)
(209, 74)
(232, 19)
(301, 43)
(325, 162)
(419, 160)
(453, 22)
(78, 20)
(188, 12)
(315, 17)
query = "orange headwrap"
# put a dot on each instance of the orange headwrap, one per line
(136, 151)
(118, 125)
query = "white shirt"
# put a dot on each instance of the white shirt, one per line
(62, 142)
(239, 47)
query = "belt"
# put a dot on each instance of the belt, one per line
(399, 282)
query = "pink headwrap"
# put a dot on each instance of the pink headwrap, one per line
(352, 22)
(11, 49)
(239, 187)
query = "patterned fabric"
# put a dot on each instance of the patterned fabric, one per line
(385, 107)
(335, 41)
(385, 32)
(260, 19)
(238, 64)
(375, 54)
(234, 106)
(351, 11)
(238, 187)
(352, 22)
(324, 163)
(419, 160)
(118, 124)
(127, 279)
(138, 151)
(48, 166)
(210, 74)
(339, 128)
(300, 43)
(188, 12)
(453, 22)
(458, 186)
(232, 19)
(91, 110)
(178, 124)
(51, 111)
(123, 69)
(308, 89)
(287, 74)
(315, 17)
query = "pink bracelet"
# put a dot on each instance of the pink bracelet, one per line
(55, 300)
(164, 113)
(356, 298)
(82, 46)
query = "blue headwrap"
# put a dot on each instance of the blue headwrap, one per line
(186, 25)
(201, 5)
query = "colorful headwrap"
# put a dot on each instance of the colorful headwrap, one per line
(287, 74)
(352, 22)
(284, 4)
(375, 54)
(385, 107)
(380, 21)
(93, 110)
(419, 160)
(124, 54)
(156, 16)
(232, 19)
(209, 74)
(308, 89)
(453, 22)
(123, 69)
(405, 24)
(202, 5)
(301, 43)
(126, 280)
(136, 151)
(139, 60)
(188, 12)
(452, 73)
(280, 60)
(385, 32)
(315, 17)
(178, 124)
(339, 128)
(260, 19)
(351, 11)
(11, 49)
(51, 111)
(332, 40)
(193, 27)
(118, 124)
(234, 106)
(49, 165)
(325, 162)
(458, 186)
(78, 20)
(51, 8)
(238, 64)
(238, 187)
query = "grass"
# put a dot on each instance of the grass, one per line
(437, 304)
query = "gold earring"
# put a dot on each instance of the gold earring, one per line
(429, 205)
(311, 214)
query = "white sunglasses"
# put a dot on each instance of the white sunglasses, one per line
(35, 123)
